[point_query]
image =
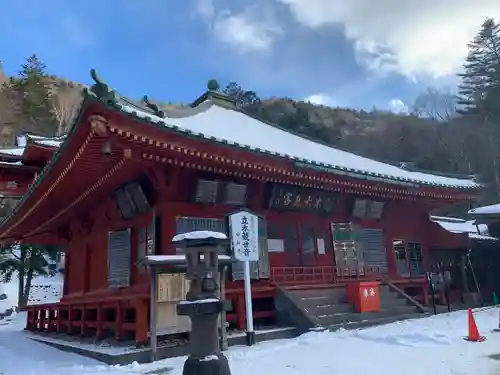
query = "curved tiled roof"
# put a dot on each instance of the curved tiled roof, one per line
(474, 230)
(231, 126)
(14, 155)
(493, 209)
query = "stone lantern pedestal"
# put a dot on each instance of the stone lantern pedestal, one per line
(201, 304)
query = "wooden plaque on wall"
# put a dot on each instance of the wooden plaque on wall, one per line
(172, 287)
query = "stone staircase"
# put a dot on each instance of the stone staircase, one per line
(329, 308)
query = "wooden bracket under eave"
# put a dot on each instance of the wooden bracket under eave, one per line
(127, 154)
(99, 124)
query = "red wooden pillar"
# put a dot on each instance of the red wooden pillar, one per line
(100, 321)
(86, 268)
(83, 322)
(141, 321)
(168, 219)
(41, 320)
(58, 319)
(31, 321)
(70, 319)
(118, 321)
(28, 319)
(67, 265)
(50, 319)
(35, 318)
(240, 311)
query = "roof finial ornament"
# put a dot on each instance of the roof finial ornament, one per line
(102, 90)
(154, 107)
(213, 85)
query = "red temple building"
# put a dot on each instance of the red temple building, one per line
(19, 165)
(128, 175)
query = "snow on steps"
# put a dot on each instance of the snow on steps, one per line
(318, 308)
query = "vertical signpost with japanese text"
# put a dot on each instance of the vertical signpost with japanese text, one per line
(244, 231)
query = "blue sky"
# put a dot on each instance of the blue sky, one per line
(352, 53)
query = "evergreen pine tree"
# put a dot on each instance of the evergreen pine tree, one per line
(479, 95)
(30, 94)
(24, 262)
(480, 86)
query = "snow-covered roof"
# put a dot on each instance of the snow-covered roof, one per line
(46, 141)
(480, 237)
(230, 126)
(176, 259)
(12, 151)
(14, 154)
(456, 225)
(199, 235)
(486, 210)
(11, 162)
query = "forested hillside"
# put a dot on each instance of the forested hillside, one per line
(452, 130)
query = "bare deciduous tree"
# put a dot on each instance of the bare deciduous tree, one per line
(6, 119)
(65, 107)
(434, 103)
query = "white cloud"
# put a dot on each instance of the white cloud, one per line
(321, 99)
(397, 106)
(254, 28)
(413, 38)
(204, 9)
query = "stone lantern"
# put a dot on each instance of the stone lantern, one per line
(202, 251)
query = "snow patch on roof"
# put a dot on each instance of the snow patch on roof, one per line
(13, 151)
(177, 258)
(236, 128)
(456, 225)
(459, 225)
(47, 141)
(486, 210)
(21, 142)
(199, 235)
(11, 163)
(482, 237)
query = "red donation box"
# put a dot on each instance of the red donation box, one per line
(364, 296)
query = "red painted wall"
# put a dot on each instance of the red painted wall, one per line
(87, 256)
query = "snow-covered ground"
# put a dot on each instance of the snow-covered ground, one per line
(43, 290)
(431, 345)
(46, 290)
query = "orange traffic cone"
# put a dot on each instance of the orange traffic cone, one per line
(498, 328)
(473, 331)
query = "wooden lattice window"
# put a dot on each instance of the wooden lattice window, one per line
(119, 256)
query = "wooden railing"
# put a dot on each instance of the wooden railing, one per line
(322, 274)
(121, 317)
